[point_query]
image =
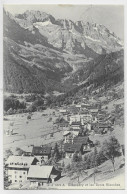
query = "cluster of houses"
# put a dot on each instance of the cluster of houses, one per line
(87, 117)
(81, 120)
(31, 167)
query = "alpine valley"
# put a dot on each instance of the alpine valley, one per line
(63, 103)
(42, 54)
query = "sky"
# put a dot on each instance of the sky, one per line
(111, 16)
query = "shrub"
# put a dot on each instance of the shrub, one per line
(11, 103)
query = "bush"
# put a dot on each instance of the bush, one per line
(31, 108)
(8, 153)
(77, 157)
(19, 151)
(38, 102)
(11, 103)
(28, 117)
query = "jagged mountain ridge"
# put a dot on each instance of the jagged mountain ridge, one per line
(70, 36)
(36, 49)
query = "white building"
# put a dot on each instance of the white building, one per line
(69, 136)
(78, 106)
(18, 167)
(62, 110)
(81, 118)
(74, 118)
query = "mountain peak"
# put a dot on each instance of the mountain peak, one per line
(35, 16)
(40, 51)
(70, 36)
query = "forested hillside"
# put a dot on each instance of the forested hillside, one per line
(33, 64)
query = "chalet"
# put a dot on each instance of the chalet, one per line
(64, 123)
(66, 136)
(70, 149)
(74, 118)
(69, 136)
(85, 141)
(76, 125)
(42, 175)
(101, 118)
(80, 144)
(18, 167)
(76, 129)
(85, 118)
(104, 127)
(42, 152)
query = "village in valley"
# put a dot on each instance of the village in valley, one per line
(63, 97)
(62, 145)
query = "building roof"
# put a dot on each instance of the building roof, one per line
(20, 161)
(94, 110)
(68, 147)
(76, 123)
(62, 110)
(82, 140)
(75, 133)
(66, 133)
(37, 171)
(41, 150)
(86, 104)
(78, 117)
(75, 117)
(75, 129)
(78, 106)
(84, 111)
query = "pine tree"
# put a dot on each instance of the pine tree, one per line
(63, 164)
(56, 153)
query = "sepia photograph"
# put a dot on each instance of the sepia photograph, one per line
(63, 97)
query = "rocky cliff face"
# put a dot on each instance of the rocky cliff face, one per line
(51, 50)
(70, 36)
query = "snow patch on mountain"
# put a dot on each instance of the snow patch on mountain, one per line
(88, 37)
(40, 24)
